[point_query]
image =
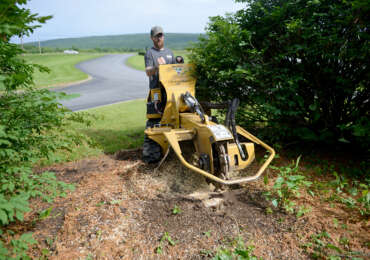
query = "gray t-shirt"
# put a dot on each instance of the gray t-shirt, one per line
(151, 60)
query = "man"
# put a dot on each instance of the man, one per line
(155, 56)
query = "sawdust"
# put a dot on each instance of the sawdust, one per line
(124, 209)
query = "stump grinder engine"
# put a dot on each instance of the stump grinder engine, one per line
(216, 151)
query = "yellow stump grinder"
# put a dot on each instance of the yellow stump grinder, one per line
(176, 117)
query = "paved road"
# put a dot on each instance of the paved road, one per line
(112, 81)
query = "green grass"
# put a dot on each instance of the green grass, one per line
(113, 128)
(71, 96)
(118, 126)
(62, 68)
(137, 61)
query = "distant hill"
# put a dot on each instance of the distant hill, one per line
(177, 41)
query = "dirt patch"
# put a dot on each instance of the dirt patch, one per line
(124, 209)
(198, 229)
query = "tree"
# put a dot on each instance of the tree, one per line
(32, 126)
(16, 21)
(301, 68)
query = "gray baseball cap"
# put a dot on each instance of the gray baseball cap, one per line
(156, 30)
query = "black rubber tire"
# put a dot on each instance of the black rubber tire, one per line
(152, 151)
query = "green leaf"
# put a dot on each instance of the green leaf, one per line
(243, 253)
(115, 202)
(313, 107)
(45, 251)
(158, 250)
(343, 140)
(296, 177)
(27, 237)
(19, 215)
(176, 210)
(3, 217)
(3, 251)
(170, 241)
(279, 181)
(331, 246)
(45, 213)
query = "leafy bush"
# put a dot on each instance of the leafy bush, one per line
(300, 68)
(20, 247)
(32, 126)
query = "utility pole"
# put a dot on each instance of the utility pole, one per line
(22, 42)
(39, 45)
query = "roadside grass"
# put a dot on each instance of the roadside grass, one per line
(113, 128)
(137, 61)
(71, 96)
(62, 68)
(118, 126)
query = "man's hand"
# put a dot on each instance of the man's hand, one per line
(161, 61)
(153, 70)
(150, 71)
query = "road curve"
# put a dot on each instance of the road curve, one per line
(112, 81)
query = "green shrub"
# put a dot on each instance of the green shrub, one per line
(300, 68)
(20, 247)
(32, 126)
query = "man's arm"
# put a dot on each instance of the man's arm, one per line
(150, 68)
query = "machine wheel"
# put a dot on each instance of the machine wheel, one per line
(152, 151)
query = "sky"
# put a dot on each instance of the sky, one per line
(79, 18)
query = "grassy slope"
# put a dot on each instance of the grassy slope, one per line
(62, 68)
(115, 127)
(119, 126)
(137, 61)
